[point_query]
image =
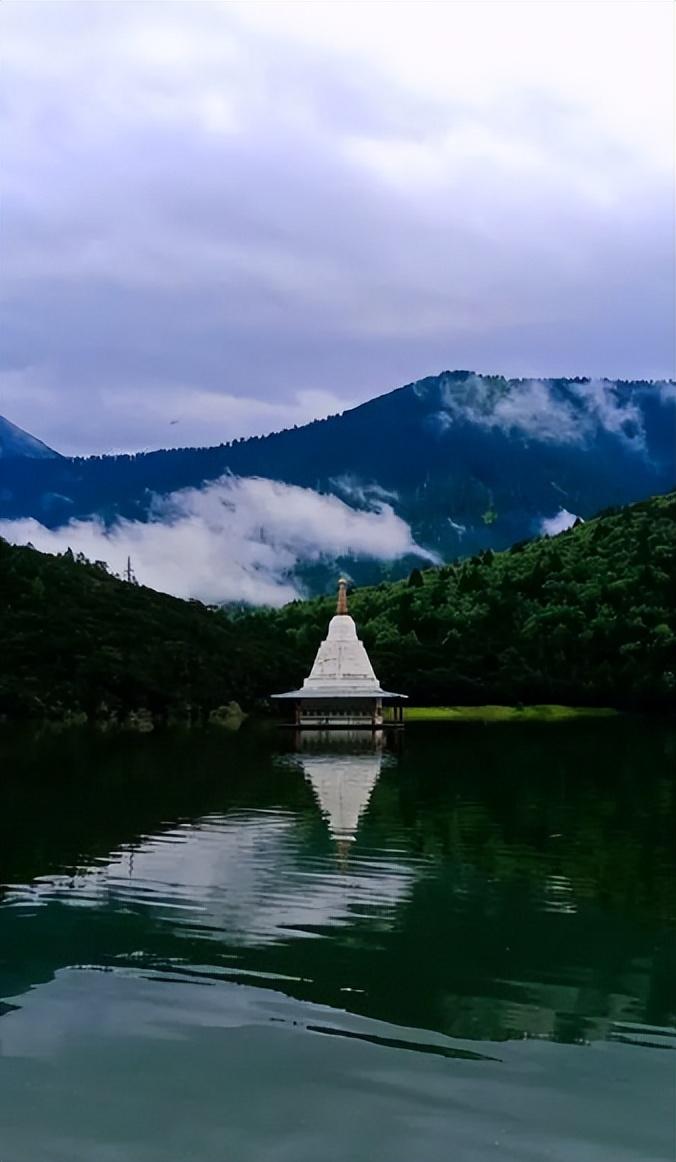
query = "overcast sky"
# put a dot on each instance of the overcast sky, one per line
(221, 218)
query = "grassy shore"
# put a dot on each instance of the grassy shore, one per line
(504, 713)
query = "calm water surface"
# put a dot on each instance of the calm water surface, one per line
(225, 949)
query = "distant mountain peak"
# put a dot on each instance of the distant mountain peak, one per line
(14, 441)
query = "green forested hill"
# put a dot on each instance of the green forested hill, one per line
(587, 617)
(74, 638)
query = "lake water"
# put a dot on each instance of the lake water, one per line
(224, 948)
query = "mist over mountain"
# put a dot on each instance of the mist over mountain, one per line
(453, 463)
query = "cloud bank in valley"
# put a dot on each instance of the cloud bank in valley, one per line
(238, 539)
(241, 215)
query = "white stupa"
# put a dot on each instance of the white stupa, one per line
(342, 689)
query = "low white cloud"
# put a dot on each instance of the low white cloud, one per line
(458, 528)
(359, 492)
(536, 409)
(551, 525)
(238, 539)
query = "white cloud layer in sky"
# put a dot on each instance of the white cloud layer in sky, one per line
(235, 214)
(238, 539)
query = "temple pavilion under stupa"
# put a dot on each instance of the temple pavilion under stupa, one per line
(341, 689)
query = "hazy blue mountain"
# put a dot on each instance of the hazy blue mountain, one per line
(470, 461)
(15, 442)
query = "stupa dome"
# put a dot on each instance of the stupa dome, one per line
(342, 659)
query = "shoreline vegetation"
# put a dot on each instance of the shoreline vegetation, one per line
(571, 625)
(231, 718)
(544, 713)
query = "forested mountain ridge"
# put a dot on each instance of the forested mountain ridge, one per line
(587, 617)
(469, 461)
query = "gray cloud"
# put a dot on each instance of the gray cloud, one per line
(238, 539)
(210, 202)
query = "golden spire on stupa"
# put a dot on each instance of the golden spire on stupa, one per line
(341, 607)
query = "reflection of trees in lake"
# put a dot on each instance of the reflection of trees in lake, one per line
(497, 881)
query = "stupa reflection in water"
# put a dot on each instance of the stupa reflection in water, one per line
(343, 772)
